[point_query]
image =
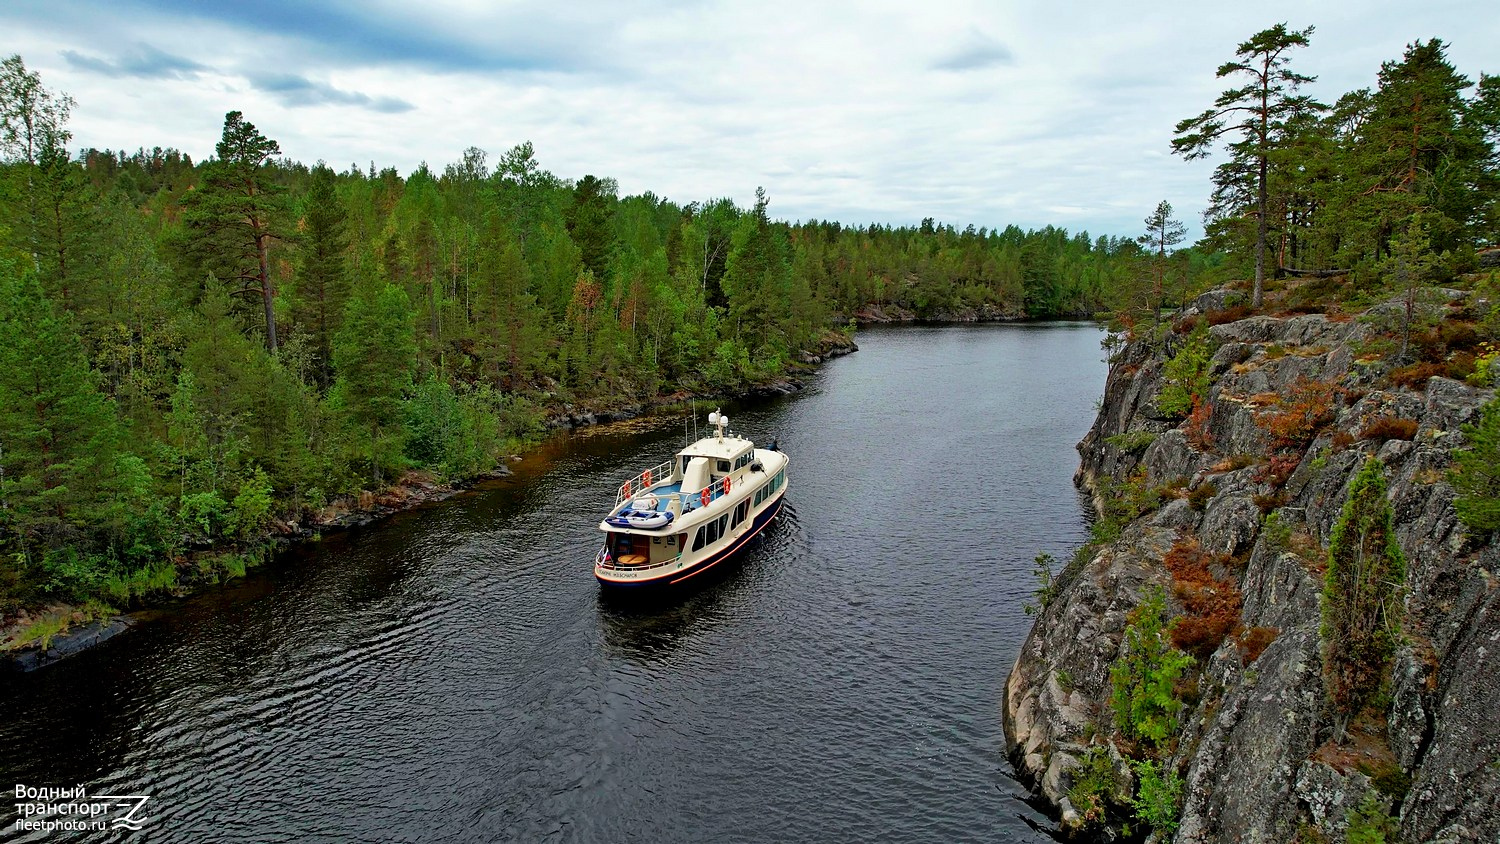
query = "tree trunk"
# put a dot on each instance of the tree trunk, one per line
(267, 292)
(1260, 237)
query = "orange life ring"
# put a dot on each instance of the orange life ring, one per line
(646, 479)
(726, 484)
(625, 490)
(705, 496)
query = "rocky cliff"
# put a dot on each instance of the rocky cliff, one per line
(1256, 744)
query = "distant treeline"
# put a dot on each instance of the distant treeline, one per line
(190, 349)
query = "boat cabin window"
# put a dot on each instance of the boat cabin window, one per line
(711, 532)
(724, 466)
(740, 513)
(743, 460)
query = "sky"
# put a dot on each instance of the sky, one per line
(982, 113)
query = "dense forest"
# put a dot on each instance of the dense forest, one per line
(191, 351)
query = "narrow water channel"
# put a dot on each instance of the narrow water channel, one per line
(454, 674)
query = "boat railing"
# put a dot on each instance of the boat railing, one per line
(715, 491)
(640, 483)
(604, 560)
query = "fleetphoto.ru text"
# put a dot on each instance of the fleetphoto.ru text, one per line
(73, 809)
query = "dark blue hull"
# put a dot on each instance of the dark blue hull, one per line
(668, 581)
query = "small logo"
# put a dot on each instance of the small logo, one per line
(49, 809)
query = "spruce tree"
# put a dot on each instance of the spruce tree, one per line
(58, 432)
(322, 282)
(375, 358)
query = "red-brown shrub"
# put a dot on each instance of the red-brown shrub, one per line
(1211, 606)
(1196, 428)
(1389, 428)
(1253, 642)
(1231, 314)
(1415, 376)
(1306, 408)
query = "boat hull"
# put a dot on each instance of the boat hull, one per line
(622, 581)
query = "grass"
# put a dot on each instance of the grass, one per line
(42, 630)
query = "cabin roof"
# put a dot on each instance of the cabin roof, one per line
(721, 449)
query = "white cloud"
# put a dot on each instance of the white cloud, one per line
(970, 112)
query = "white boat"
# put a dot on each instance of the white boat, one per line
(679, 519)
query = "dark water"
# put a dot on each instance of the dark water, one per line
(455, 675)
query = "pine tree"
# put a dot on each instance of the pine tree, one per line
(234, 215)
(1162, 233)
(1260, 110)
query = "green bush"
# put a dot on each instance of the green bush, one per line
(1476, 471)
(1370, 823)
(1092, 782)
(252, 506)
(1157, 798)
(1186, 375)
(1144, 677)
(1361, 595)
(1046, 588)
(1131, 442)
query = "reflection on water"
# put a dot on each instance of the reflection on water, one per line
(455, 674)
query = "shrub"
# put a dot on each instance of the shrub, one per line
(1185, 375)
(1253, 643)
(1233, 462)
(1306, 408)
(1211, 606)
(1486, 366)
(1389, 428)
(1092, 782)
(1234, 313)
(1144, 677)
(1276, 533)
(1200, 495)
(1415, 376)
(1197, 424)
(1370, 823)
(1476, 471)
(1157, 797)
(1361, 595)
(1046, 588)
(1124, 502)
(252, 506)
(1131, 442)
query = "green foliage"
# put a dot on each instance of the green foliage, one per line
(1132, 442)
(1046, 587)
(1157, 800)
(1476, 471)
(1124, 501)
(1371, 823)
(1262, 113)
(1185, 375)
(1275, 532)
(1144, 677)
(204, 513)
(252, 505)
(1093, 783)
(1361, 594)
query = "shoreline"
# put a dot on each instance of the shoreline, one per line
(412, 490)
